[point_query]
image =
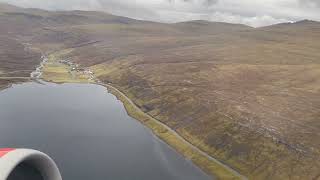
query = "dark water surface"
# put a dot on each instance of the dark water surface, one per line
(87, 131)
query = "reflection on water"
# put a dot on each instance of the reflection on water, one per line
(87, 131)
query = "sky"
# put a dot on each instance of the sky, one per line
(255, 13)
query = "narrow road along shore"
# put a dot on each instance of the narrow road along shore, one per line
(206, 162)
(234, 172)
(12, 78)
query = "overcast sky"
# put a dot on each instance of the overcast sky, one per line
(250, 12)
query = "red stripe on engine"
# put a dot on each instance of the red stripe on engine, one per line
(5, 151)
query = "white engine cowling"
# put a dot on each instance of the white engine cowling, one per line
(16, 164)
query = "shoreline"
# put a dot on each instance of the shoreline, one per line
(211, 166)
(61, 71)
(205, 162)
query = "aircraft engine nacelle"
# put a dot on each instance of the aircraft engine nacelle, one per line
(19, 164)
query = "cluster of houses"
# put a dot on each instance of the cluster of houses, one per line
(76, 68)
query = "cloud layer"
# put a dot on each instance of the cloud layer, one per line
(250, 12)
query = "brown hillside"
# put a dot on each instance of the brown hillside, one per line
(249, 97)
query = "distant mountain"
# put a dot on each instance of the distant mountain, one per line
(207, 27)
(8, 7)
(247, 96)
(295, 27)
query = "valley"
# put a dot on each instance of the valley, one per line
(247, 97)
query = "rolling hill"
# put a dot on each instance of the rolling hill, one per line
(249, 97)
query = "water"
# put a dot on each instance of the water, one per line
(88, 133)
(36, 74)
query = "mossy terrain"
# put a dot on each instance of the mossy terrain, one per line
(247, 96)
(209, 166)
(259, 155)
(17, 61)
(58, 72)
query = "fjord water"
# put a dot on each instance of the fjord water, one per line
(88, 133)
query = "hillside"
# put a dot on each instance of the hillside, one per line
(249, 97)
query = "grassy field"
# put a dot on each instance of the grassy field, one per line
(247, 96)
(209, 166)
(55, 71)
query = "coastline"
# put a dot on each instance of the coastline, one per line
(61, 71)
(204, 161)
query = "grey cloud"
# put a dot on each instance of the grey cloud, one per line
(205, 2)
(310, 2)
(124, 8)
(211, 2)
(251, 12)
(117, 7)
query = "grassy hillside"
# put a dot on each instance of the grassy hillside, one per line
(249, 97)
(16, 60)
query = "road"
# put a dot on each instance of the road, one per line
(176, 134)
(12, 78)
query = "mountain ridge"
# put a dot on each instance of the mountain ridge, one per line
(247, 96)
(9, 7)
